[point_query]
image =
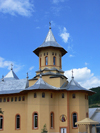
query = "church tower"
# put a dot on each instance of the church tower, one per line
(50, 52)
(50, 55)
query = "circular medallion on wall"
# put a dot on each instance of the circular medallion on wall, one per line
(63, 118)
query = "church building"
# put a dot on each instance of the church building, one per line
(48, 99)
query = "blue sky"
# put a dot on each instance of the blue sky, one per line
(75, 24)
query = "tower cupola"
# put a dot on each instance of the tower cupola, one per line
(50, 52)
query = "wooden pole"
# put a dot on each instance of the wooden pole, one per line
(88, 128)
(95, 129)
(78, 128)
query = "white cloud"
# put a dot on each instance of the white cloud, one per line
(86, 63)
(71, 55)
(57, 1)
(4, 63)
(64, 35)
(84, 77)
(37, 27)
(13, 7)
(31, 68)
(7, 64)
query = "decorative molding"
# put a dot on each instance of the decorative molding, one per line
(63, 118)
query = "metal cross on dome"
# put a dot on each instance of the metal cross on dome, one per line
(2, 77)
(11, 66)
(49, 25)
(72, 73)
(27, 75)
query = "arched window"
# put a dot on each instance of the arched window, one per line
(54, 60)
(51, 95)
(43, 95)
(40, 62)
(52, 120)
(17, 121)
(35, 95)
(0, 99)
(35, 120)
(8, 99)
(74, 119)
(46, 60)
(1, 122)
(62, 95)
(73, 95)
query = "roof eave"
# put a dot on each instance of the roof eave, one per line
(63, 51)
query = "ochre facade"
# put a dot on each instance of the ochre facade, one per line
(59, 102)
(43, 106)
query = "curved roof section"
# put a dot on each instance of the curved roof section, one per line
(50, 41)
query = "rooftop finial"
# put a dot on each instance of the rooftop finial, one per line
(49, 25)
(2, 78)
(27, 75)
(40, 73)
(11, 66)
(72, 73)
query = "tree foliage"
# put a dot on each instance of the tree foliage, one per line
(94, 100)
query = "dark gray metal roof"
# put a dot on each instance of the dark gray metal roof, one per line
(13, 86)
(55, 69)
(11, 74)
(94, 114)
(10, 92)
(48, 69)
(74, 86)
(91, 112)
(50, 41)
(50, 73)
(41, 84)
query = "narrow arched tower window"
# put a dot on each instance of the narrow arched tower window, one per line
(46, 60)
(52, 120)
(1, 122)
(35, 120)
(54, 60)
(74, 117)
(43, 95)
(17, 121)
